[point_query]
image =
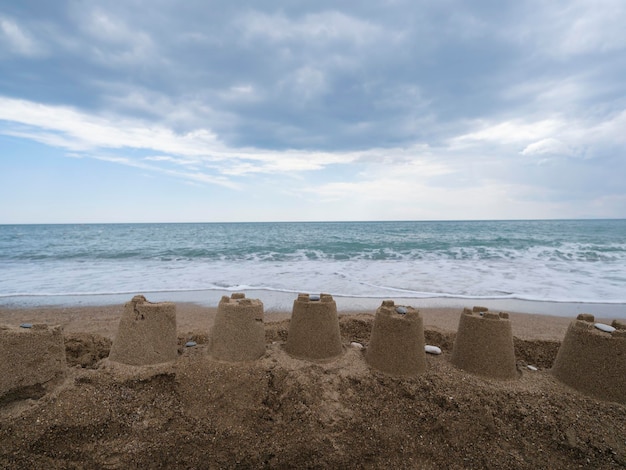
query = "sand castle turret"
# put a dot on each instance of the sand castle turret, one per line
(31, 356)
(593, 361)
(146, 333)
(484, 344)
(238, 333)
(314, 328)
(397, 340)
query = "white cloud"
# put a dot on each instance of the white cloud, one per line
(328, 26)
(593, 27)
(565, 29)
(305, 83)
(386, 198)
(241, 93)
(116, 42)
(195, 176)
(515, 131)
(79, 131)
(18, 40)
(76, 131)
(547, 146)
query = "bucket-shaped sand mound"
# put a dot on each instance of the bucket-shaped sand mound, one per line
(238, 333)
(397, 340)
(593, 361)
(146, 333)
(484, 344)
(314, 328)
(30, 357)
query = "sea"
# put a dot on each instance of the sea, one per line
(560, 267)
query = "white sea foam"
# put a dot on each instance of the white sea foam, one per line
(574, 261)
(360, 278)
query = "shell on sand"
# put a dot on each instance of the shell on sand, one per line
(605, 328)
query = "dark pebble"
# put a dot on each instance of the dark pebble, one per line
(26, 325)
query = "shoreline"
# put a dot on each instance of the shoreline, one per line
(280, 302)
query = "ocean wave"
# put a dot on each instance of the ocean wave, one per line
(539, 261)
(561, 252)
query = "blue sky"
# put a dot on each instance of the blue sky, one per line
(167, 111)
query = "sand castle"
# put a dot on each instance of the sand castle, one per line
(484, 344)
(146, 333)
(238, 333)
(593, 361)
(314, 328)
(31, 357)
(397, 340)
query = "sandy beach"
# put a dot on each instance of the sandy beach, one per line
(282, 412)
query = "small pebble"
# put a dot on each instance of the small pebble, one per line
(356, 345)
(531, 368)
(26, 325)
(432, 349)
(603, 327)
(190, 344)
(314, 298)
(401, 310)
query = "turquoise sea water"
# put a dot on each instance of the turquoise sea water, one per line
(558, 260)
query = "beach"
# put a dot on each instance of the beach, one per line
(283, 412)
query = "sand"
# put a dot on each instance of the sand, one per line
(284, 412)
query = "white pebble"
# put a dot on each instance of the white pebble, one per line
(603, 327)
(531, 368)
(356, 345)
(432, 349)
(190, 344)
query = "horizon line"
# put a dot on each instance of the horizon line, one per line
(316, 221)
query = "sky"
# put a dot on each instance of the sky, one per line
(196, 111)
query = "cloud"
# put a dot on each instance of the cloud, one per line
(584, 28)
(75, 131)
(512, 131)
(79, 131)
(547, 146)
(319, 99)
(18, 40)
(323, 27)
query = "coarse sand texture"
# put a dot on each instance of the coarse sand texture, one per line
(238, 333)
(484, 344)
(314, 328)
(146, 333)
(30, 358)
(593, 361)
(396, 344)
